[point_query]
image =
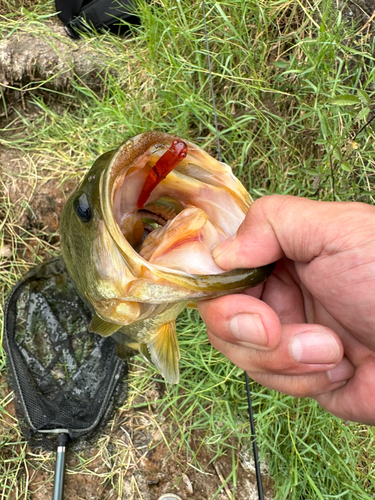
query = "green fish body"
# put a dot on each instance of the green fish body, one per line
(137, 236)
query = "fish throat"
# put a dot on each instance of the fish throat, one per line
(138, 222)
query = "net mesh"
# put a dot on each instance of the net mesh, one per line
(63, 377)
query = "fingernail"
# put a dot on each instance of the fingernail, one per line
(315, 347)
(343, 371)
(223, 246)
(248, 329)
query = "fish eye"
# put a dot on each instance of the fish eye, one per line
(82, 208)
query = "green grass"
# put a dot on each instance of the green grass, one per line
(282, 73)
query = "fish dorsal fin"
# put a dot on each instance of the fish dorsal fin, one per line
(165, 353)
(103, 328)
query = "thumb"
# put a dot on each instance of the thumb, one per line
(282, 225)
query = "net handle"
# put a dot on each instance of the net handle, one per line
(58, 487)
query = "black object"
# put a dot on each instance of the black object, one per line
(66, 381)
(83, 15)
(254, 440)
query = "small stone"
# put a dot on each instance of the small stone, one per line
(5, 251)
(188, 484)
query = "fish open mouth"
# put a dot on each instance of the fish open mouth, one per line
(173, 203)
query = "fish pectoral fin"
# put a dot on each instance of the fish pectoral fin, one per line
(143, 349)
(103, 328)
(165, 353)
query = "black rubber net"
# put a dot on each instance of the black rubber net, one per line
(63, 377)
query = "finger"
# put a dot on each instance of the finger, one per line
(302, 349)
(284, 295)
(262, 329)
(355, 400)
(285, 225)
(249, 333)
(314, 385)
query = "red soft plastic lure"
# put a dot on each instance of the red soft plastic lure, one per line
(165, 164)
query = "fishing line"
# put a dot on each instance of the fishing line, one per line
(211, 81)
(250, 407)
(254, 439)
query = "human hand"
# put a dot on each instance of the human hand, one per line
(309, 330)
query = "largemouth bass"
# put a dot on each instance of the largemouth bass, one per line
(137, 236)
